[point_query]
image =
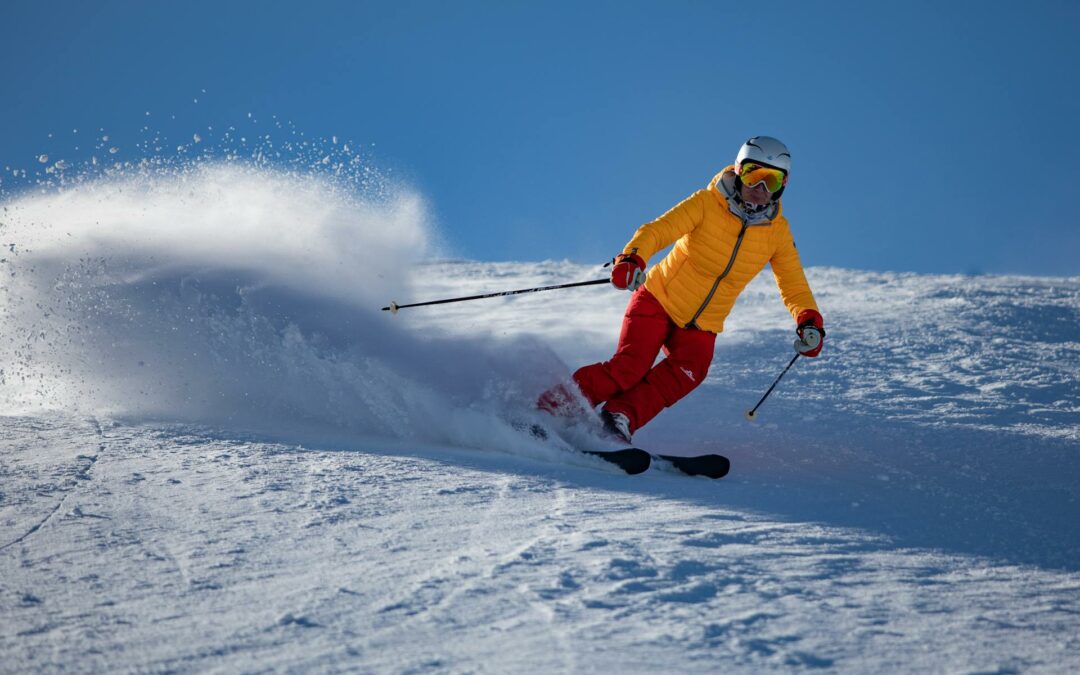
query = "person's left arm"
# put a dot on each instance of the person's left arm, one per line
(795, 290)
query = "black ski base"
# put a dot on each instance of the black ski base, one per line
(631, 460)
(711, 466)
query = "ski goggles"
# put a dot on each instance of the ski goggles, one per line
(752, 174)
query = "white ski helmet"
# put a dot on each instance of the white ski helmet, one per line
(766, 150)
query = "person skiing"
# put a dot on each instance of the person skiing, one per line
(723, 235)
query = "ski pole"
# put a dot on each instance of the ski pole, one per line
(394, 307)
(752, 414)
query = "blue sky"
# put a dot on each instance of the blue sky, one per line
(926, 137)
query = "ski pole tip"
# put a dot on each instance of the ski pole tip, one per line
(751, 415)
(393, 308)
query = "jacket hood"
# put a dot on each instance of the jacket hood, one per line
(723, 186)
(716, 181)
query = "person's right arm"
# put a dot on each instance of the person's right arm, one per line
(668, 228)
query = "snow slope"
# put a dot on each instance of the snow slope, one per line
(217, 454)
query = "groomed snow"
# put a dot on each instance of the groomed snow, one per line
(217, 454)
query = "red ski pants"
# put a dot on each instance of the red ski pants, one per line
(629, 383)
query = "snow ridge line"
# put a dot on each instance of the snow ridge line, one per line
(38, 526)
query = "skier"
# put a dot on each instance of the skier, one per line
(723, 235)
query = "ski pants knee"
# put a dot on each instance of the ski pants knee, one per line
(629, 383)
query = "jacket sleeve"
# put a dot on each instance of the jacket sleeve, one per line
(790, 278)
(665, 230)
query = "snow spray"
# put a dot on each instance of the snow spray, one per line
(240, 294)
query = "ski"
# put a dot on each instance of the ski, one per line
(631, 460)
(711, 466)
(635, 460)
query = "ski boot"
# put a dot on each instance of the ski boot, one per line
(616, 425)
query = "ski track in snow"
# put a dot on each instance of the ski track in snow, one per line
(218, 462)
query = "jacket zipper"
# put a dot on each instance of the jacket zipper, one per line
(716, 284)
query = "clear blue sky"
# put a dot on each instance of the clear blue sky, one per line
(926, 136)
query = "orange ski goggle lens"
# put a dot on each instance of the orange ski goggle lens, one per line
(752, 174)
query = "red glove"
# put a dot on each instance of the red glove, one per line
(628, 272)
(811, 332)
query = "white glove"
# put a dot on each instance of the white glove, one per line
(809, 340)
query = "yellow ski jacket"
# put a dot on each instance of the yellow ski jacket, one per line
(717, 251)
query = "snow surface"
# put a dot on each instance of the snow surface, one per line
(216, 453)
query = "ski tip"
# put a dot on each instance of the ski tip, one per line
(710, 466)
